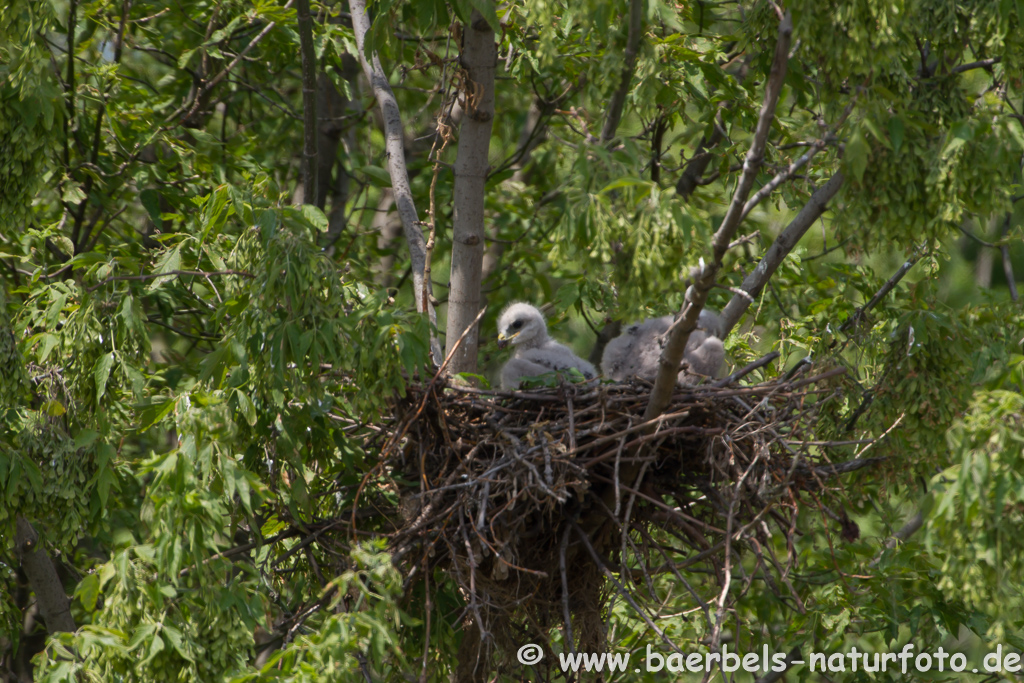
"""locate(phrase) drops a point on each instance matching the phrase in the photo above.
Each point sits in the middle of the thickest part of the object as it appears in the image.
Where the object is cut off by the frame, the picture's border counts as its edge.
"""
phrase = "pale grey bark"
(388, 226)
(479, 55)
(983, 268)
(618, 100)
(42, 575)
(697, 294)
(780, 178)
(911, 527)
(780, 248)
(394, 145)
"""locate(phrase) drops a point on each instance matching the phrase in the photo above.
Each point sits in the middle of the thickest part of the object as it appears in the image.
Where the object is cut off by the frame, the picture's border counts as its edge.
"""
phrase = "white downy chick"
(523, 326)
(636, 351)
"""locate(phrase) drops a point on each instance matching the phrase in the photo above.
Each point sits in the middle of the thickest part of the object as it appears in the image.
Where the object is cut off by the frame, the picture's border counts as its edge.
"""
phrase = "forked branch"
(780, 248)
(697, 294)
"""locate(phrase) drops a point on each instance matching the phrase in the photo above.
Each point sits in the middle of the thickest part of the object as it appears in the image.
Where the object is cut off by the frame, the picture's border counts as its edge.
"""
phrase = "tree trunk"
(479, 55)
(388, 227)
(50, 596)
(310, 185)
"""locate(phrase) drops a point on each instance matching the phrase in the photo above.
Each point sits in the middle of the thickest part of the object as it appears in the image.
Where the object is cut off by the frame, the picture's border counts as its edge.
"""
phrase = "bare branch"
(780, 248)
(697, 294)
(747, 369)
(395, 148)
(223, 74)
(773, 676)
(885, 289)
(983, 64)
(641, 612)
(781, 177)
(911, 527)
(690, 179)
(618, 101)
(968, 233)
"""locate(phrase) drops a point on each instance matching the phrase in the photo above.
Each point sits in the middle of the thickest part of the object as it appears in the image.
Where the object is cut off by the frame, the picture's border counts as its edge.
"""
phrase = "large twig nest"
(516, 492)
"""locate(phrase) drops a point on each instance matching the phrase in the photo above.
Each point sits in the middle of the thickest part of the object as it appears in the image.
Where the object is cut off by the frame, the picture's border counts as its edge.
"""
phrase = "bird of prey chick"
(636, 351)
(522, 326)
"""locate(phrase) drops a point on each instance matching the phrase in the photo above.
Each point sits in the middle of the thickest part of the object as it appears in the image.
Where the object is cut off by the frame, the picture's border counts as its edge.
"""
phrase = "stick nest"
(540, 504)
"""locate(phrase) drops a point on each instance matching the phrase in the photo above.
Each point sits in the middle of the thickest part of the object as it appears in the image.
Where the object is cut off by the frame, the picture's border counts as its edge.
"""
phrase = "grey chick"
(523, 326)
(635, 352)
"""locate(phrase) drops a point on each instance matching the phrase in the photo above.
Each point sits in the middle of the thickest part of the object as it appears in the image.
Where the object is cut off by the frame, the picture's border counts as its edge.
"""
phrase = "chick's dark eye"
(517, 324)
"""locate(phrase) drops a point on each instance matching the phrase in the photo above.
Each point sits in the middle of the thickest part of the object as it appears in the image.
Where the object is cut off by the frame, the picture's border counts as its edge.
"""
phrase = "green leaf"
(896, 132)
(151, 203)
(72, 193)
(155, 648)
(488, 11)
(1016, 132)
(856, 156)
(174, 635)
(378, 176)
(49, 341)
(463, 9)
(567, 295)
(315, 217)
(185, 56)
(85, 438)
(246, 406)
(101, 372)
(53, 311)
(54, 408)
(154, 413)
(474, 379)
(625, 182)
(64, 244)
(169, 262)
(88, 591)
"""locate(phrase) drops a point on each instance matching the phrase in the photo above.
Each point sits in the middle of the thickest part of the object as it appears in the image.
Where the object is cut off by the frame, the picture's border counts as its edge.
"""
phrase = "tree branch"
(394, 145)
(697, 294)
(885, 289)
(618, 100)
(479, 55)
(310, 187)
(780, 248)
(223, 74)
(690, 179)
(781, 177)
(983, 64)
(170, 273)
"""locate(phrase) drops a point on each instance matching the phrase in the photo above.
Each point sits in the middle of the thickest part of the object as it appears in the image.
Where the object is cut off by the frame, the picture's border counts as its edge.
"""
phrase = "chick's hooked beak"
(505, 339)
